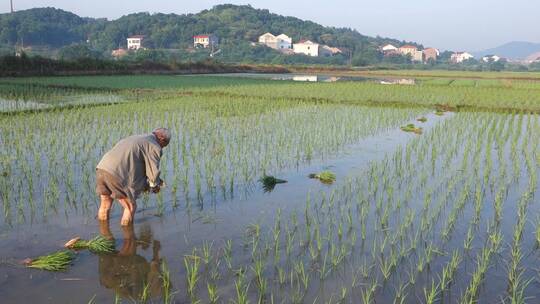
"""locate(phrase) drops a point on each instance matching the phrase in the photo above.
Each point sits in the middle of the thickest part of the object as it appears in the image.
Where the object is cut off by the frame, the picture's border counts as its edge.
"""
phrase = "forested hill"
(235, 25)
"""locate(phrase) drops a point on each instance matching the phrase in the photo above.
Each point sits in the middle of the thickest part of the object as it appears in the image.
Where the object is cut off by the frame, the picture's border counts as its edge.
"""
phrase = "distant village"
(431, 54)
(285, 45)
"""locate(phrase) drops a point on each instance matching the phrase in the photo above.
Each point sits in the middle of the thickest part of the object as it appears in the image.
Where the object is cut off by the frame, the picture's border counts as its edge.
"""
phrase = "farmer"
(129, 168)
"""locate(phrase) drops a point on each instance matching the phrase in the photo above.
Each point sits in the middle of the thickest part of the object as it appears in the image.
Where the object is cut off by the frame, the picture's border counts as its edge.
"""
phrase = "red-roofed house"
(430, 54)
(205, 41)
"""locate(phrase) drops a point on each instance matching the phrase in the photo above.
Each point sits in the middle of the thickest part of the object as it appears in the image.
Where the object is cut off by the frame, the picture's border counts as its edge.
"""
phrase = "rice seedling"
(166, 283)
(422, 119)
(192, 263)
(241, 290)
(326, 177)
(431, 294)
(367, 294)
(213, 296)
(98, 244)
(58, 261)
(411, 128)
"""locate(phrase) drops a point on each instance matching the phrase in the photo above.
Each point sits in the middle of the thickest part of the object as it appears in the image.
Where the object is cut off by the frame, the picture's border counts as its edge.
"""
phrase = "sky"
(460, 25)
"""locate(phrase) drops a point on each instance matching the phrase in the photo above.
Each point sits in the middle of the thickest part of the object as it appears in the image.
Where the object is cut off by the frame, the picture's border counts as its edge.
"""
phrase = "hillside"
(235, 25)
(517, 50)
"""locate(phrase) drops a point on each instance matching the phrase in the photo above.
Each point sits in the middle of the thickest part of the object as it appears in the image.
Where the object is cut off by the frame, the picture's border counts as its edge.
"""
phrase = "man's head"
(163, 136)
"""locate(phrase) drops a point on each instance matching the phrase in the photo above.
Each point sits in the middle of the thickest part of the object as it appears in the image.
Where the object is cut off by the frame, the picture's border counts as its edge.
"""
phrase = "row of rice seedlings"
(463, 93)
(240, 146)
(333, 254)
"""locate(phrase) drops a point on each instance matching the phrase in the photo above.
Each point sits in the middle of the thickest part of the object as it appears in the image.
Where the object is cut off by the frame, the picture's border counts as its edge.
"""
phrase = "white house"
(306, 47)
(135, 42)
(284, 41)
(280, 42)
(389, 48)
(491, 58)
(205, 41)
(459, 57)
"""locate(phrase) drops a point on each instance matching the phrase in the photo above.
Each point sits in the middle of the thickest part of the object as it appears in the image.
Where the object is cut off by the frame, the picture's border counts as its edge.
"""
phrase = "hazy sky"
(457, 24)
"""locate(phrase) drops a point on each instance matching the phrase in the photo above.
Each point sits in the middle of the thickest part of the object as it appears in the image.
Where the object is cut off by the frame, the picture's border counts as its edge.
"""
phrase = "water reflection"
(404, 81)
(127, 273)
(319, 78)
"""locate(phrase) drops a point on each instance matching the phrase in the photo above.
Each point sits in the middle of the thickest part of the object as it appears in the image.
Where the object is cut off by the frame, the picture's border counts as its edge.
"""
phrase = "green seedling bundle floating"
(422, 119)
(439, 112)
(327, 177)
(58, 261)
(98, 244)
(412, 128)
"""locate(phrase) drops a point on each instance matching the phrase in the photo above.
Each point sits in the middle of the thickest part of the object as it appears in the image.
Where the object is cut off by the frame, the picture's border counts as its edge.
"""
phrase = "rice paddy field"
(276, 191)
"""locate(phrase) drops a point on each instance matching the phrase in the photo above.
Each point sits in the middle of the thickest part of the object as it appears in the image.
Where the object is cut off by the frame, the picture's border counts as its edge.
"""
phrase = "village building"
(326, 50)
(205, 41)
(413, 52)
(533, 58)
(430, 54)
(491, 58)
(389, 48)
(280, 42)
(135, 42)
(307, 47)
(119, 53)
(459, 57)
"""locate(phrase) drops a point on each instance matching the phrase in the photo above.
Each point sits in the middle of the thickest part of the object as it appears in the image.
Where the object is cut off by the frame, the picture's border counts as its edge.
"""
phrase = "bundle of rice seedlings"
(412, 128)
(99, 244)
(439, 112)
(326, 176)
(422, 119)
(58, 261)
(269, 182)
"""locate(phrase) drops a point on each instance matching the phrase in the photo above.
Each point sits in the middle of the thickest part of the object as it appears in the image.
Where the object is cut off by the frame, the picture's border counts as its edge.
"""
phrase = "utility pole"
(11, 2)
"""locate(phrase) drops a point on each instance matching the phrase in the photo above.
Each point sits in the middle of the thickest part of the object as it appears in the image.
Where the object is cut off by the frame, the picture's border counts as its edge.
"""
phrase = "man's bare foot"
(127, 218)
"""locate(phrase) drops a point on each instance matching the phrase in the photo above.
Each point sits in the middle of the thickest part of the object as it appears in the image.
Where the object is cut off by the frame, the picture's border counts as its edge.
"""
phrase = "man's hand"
(155, 189)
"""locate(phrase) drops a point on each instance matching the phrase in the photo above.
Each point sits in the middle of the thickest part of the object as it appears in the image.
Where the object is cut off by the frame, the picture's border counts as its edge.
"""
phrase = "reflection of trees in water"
(125, 272)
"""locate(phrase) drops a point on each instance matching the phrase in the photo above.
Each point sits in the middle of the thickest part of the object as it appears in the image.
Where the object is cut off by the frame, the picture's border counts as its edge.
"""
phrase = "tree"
(78, 51)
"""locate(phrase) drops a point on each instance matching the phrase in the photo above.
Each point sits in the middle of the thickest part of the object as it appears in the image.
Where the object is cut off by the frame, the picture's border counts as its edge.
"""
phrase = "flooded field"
(446, 214)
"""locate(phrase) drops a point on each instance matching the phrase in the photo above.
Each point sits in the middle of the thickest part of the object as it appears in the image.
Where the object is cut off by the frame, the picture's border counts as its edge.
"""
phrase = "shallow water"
(177, 231)
(7, 105)
(172, 236)
(318, 78)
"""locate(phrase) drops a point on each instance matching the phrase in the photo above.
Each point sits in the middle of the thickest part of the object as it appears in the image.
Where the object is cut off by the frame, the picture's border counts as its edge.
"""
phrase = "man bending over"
(129, 168)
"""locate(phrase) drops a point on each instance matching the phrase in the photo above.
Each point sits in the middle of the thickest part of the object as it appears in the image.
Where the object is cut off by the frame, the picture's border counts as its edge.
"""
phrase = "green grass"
(138, 81)
(482, 94)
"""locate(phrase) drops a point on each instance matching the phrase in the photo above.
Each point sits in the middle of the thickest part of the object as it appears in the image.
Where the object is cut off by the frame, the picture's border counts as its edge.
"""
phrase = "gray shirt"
(135, 162)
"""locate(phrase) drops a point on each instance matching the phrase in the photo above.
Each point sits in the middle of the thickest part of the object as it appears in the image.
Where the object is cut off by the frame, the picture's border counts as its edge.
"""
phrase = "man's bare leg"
(105, 207)
(129, 211)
